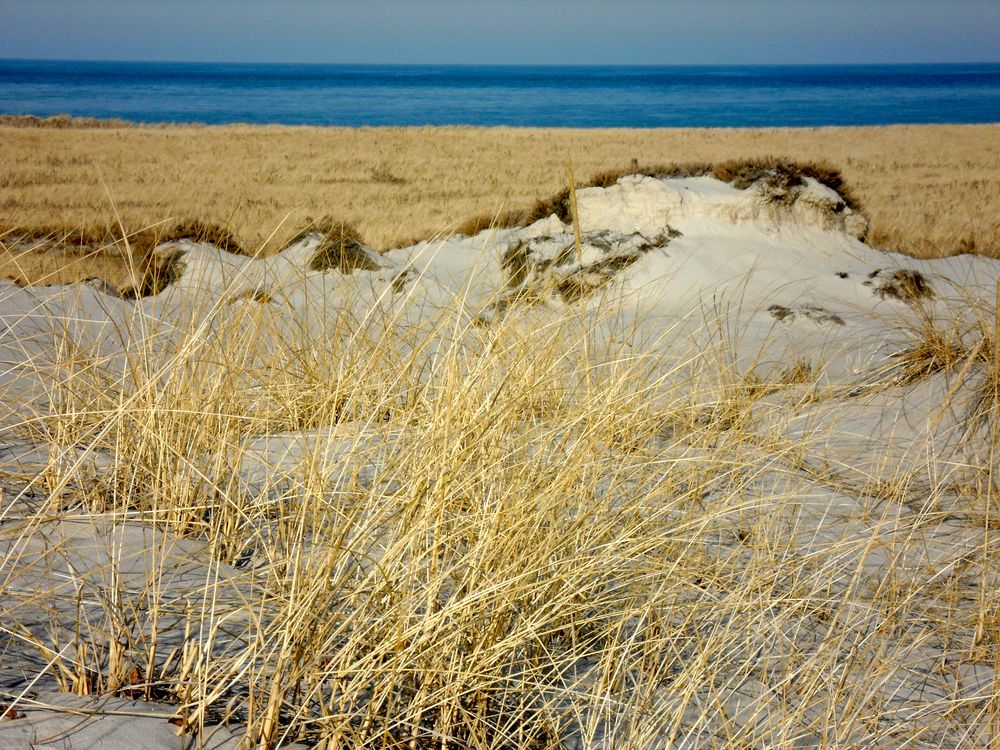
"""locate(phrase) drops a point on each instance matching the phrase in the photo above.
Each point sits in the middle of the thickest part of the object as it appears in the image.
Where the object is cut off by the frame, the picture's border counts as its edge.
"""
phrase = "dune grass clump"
(480, 222)
(200, 231)
(784, 173)
(983, 411)
(659, 171)
(340, 248)
(479, 603)
(926, 346)
(155, 273)
(554, 205)
(963, 347)
(905, 285)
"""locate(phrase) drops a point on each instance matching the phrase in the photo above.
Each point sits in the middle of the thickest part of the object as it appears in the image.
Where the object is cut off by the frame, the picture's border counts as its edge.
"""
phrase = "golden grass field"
(928, 190)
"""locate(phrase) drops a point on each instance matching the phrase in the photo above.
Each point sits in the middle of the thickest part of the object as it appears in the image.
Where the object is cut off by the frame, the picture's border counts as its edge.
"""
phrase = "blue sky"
(505, 31)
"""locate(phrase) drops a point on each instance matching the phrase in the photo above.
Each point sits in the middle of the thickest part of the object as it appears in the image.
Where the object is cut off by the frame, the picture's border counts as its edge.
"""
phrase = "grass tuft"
(200, 231)
(341, 248)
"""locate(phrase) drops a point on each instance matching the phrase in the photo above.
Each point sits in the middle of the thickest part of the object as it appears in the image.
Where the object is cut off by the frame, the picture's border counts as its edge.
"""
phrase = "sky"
(535, 32)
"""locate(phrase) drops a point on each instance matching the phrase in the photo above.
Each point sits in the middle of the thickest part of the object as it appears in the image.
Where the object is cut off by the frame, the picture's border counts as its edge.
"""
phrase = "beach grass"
(929, 191)
(487, 538)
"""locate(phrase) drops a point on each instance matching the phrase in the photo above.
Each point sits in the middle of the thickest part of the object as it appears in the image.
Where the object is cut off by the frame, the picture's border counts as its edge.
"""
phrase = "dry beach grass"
(397, 526)
(502, 570)
(928, 190)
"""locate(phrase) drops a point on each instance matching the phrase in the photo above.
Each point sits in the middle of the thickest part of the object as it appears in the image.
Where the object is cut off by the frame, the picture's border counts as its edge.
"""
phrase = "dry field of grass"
(928, 190)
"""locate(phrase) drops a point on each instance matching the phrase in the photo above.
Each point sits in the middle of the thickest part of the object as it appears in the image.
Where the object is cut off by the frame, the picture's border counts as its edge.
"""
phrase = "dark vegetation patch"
(200, 231)
(17, 280)
(905, 285)
(87, 237)
(111, 238)
(967, 245)
(532, 276)
(742, 173)
(157, 273)
(65, 121)
(517, 261)
(576, 288)
(780, 312)
(400, 280)
(777, 177)
(783, 172)
(476, 224)
(341, 248)
(821, 315)
(659, 171)
(812, 312)
(382, 173)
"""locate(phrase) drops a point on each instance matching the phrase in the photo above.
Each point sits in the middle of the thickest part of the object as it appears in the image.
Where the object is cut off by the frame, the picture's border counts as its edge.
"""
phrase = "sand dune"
(697, 467)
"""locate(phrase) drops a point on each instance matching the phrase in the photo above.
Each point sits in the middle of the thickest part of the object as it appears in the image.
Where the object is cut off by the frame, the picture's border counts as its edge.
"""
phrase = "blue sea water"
(560, 96)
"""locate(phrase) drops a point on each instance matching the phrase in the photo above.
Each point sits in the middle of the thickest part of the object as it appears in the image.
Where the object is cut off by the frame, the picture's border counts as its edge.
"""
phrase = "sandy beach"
(929, 191)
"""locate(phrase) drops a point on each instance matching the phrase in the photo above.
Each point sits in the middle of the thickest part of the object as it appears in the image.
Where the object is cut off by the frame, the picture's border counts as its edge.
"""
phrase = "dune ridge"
(929, 191)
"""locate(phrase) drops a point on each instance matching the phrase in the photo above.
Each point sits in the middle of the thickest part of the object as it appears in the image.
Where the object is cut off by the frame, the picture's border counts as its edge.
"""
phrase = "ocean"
(544, 96)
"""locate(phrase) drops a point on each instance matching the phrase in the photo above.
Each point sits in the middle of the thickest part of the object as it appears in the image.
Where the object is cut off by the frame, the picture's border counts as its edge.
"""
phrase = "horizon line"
(503, 65)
